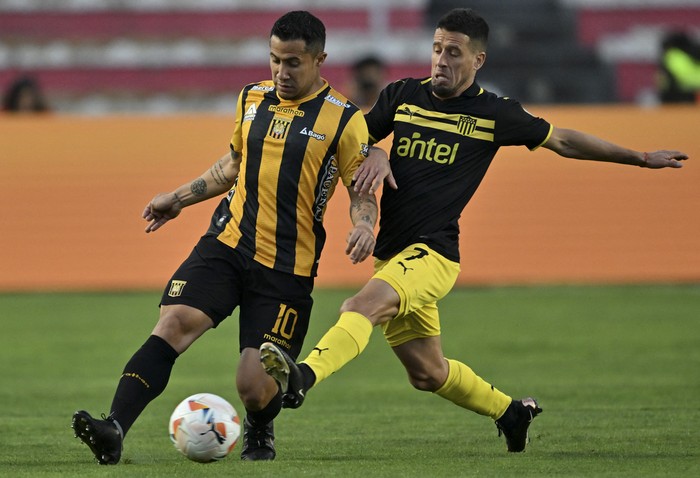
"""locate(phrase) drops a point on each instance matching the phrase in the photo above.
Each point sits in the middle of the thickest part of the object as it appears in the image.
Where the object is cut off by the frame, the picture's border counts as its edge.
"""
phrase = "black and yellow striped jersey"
(440, 153)
(293, 154)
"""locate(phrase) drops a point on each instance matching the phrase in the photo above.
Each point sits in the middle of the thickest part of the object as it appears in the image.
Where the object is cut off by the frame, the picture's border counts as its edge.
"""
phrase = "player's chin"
(442, 88)
(287, 92)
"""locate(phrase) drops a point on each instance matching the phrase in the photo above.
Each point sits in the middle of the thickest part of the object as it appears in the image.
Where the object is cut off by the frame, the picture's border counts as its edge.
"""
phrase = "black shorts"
(274, 306)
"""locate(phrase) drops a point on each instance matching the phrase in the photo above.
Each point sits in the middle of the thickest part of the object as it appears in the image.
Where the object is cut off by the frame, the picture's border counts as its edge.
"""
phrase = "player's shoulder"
(264, 86)
(257, 89)
(404, 88)
(497, 98)
(410, 84)
(498, 102)
(338, 99)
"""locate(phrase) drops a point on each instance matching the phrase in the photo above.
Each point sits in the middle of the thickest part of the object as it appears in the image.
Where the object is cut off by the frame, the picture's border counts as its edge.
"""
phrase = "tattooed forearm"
(217, 172)
(364, 209)
(179, 199)
(199, 187)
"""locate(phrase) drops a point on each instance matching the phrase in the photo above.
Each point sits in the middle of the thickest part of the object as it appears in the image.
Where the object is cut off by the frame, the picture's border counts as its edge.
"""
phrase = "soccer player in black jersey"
(446, 130)
(295, 137)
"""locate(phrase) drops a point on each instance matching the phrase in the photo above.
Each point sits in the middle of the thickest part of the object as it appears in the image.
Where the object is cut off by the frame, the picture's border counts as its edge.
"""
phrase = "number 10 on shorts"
(286, 321)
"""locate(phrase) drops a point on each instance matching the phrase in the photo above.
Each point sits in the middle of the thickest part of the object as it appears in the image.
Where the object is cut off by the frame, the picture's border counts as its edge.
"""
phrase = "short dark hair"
(467, 21)
(301, 25)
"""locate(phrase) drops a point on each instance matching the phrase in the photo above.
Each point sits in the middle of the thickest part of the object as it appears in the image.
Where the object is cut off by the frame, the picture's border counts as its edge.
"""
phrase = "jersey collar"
(472, 91)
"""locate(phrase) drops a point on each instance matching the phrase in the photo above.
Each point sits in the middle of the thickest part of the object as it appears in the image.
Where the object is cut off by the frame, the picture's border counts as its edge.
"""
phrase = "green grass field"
(616, 369)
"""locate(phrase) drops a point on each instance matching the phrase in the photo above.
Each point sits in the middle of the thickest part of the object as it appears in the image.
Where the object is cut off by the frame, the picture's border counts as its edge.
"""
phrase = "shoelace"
(111, 419)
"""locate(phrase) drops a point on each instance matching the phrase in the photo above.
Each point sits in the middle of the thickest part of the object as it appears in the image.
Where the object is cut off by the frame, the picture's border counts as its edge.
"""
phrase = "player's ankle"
(308, 374)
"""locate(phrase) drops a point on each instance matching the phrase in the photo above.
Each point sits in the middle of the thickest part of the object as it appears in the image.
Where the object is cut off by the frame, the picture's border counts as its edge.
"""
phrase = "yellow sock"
(342, 343)
(465, 388)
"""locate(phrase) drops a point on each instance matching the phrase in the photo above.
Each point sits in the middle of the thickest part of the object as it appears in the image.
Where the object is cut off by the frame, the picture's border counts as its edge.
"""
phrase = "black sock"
(309, 376)
(260, 418)
(510, 416)
(144, 378)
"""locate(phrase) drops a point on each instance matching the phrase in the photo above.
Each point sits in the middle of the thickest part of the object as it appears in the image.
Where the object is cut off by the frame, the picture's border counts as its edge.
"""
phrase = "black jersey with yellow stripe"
(293, 154)
(440, 152)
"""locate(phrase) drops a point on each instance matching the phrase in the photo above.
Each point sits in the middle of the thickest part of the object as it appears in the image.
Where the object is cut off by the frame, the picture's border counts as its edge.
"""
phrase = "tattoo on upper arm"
(217, 172)
(199, 187)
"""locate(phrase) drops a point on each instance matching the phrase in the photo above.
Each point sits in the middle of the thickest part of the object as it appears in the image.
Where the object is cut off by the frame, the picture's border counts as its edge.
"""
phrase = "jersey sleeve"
(237, 138)
(380, 119)
(515, 126)
(353, 147)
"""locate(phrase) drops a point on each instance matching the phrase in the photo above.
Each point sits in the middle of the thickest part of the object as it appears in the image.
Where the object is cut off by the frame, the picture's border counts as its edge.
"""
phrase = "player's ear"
(479, 60)
(320, 58)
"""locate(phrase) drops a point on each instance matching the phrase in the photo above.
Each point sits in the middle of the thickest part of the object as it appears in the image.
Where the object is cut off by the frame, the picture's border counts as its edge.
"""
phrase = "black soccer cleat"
(515, 422)
(104, 437)
(258, 443)
(286, 372)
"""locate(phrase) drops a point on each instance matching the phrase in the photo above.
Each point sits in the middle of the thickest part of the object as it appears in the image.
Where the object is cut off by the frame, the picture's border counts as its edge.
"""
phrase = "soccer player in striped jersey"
(295, 137)
(447, 130)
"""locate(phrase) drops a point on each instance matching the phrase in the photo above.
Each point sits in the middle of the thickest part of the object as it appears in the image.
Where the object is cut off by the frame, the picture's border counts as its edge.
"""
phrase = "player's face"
(454, 63)
(295, 72)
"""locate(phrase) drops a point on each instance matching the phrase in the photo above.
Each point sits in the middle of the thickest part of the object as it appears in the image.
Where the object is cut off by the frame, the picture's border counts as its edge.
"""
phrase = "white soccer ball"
(204, 427)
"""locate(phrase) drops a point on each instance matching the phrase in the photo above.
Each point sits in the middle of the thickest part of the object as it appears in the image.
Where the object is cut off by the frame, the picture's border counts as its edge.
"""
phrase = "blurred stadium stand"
(627, 34)
(194, 55)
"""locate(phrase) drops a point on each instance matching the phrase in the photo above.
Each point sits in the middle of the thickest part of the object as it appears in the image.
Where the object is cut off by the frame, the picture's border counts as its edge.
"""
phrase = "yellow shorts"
(421, 277)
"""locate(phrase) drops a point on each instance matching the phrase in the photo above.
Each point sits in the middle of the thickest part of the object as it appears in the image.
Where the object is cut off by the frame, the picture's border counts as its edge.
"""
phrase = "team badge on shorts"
(176, 287)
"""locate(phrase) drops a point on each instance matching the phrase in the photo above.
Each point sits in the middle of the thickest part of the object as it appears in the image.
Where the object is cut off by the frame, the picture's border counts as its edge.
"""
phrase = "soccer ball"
(204, 427)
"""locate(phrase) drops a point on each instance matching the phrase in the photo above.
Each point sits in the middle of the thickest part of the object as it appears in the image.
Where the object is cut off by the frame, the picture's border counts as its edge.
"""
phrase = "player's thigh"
(211, 280)
(276, 307)
(421, 277)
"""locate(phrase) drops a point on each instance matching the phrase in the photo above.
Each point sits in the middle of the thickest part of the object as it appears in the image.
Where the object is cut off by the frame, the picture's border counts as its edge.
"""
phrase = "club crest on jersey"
(466, 125)
(250, 113)
(176, 287)
(279, 128)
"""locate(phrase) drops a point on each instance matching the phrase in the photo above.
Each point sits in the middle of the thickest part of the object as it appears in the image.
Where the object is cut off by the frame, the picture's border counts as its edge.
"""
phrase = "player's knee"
(375, 312)
(180, 327)
(349, 305)
(253, 398)
(424, 381)
(255, 394)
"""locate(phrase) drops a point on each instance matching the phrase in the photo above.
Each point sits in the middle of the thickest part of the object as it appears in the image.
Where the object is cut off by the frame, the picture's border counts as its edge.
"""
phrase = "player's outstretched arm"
(578, 145)
(218, 179)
